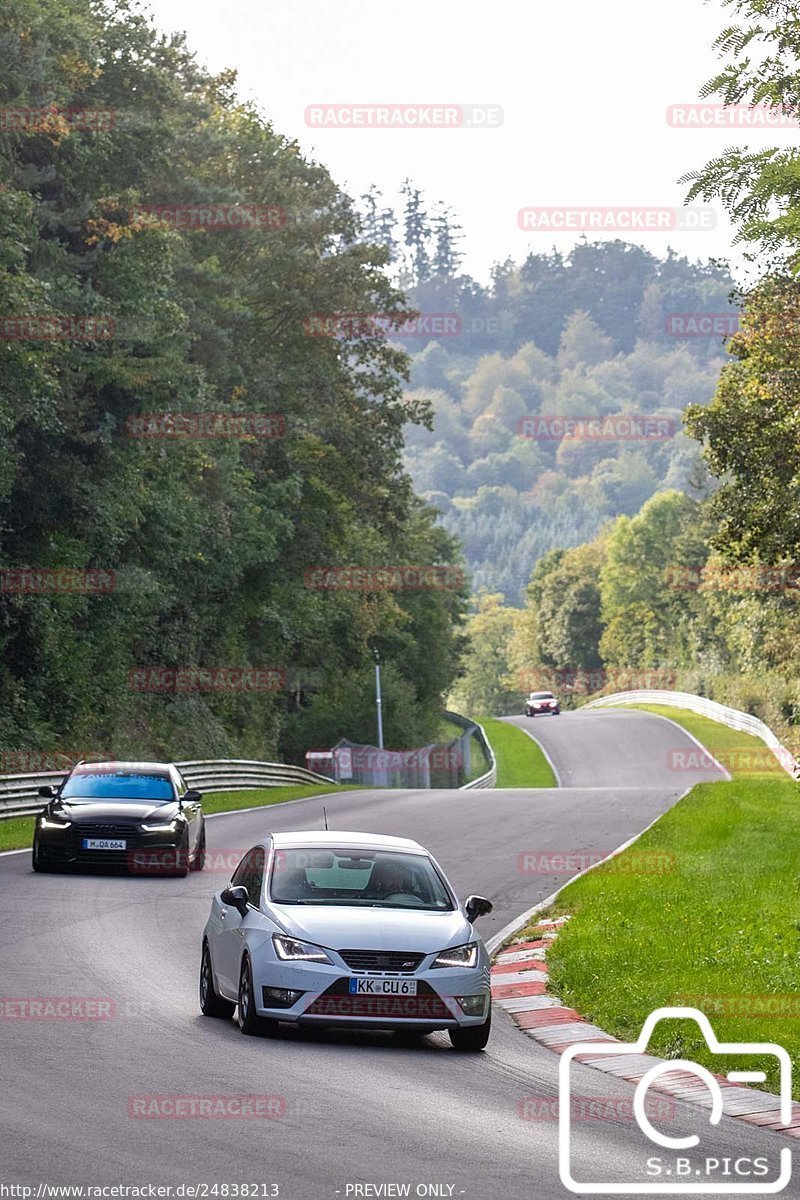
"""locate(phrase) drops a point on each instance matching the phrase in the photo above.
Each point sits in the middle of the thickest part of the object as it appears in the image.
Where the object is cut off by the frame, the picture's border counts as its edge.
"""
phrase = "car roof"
(346, 838)
(163, 770)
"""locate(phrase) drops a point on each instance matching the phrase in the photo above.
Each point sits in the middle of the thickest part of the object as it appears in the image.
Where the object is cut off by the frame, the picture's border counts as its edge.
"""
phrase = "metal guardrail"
(489, 780)
(19, 793)
(731, 717)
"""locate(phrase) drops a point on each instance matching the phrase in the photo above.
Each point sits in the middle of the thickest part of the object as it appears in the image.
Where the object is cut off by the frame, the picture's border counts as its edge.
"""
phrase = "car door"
(227, 951)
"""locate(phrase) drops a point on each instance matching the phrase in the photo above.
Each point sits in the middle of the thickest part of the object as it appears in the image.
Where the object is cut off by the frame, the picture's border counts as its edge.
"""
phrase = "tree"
(484, 689)
(582, 342)
(207, 540)
(750, 430)
(447, 233)
(416, 232)
(758, 188)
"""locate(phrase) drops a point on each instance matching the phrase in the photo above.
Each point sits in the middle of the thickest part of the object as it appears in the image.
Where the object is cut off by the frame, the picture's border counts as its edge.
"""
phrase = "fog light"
(279, 997)
(472, 1006)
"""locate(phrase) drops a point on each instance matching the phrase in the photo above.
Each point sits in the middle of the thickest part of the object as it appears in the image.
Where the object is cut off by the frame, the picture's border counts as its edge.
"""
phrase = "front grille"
(382, 960)
(104, 830)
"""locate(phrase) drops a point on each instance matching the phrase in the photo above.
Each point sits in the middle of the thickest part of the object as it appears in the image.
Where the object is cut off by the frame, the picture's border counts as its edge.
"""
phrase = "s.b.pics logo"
(670, 1160)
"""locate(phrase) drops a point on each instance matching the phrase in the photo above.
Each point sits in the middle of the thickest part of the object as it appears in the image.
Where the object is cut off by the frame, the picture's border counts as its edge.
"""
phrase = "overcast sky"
(584, 88)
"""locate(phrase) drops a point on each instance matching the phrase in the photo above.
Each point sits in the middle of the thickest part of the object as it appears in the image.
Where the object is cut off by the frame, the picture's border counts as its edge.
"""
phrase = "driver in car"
(390, 879)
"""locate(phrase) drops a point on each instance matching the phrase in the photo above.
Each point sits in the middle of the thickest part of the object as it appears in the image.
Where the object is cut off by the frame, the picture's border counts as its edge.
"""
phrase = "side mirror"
(191, 797)
(235, 897)
(477, 906)
(47, 792)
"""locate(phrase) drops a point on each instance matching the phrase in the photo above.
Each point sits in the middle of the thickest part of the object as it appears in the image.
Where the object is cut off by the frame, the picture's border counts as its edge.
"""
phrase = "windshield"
(368, 878)
(119, 785)
(542, 696)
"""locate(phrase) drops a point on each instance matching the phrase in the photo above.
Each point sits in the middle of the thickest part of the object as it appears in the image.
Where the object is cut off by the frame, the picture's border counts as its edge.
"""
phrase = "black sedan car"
(541, 704)
(138, 816)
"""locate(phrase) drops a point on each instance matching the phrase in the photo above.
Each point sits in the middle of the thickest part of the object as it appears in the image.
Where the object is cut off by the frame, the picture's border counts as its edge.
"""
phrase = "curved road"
(361, 1108)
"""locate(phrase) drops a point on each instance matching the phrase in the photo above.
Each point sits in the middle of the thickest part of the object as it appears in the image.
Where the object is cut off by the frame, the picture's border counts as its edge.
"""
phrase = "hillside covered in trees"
(592, 334)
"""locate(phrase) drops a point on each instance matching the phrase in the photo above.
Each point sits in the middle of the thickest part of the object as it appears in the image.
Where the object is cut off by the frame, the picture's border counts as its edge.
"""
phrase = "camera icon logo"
(681, 1168)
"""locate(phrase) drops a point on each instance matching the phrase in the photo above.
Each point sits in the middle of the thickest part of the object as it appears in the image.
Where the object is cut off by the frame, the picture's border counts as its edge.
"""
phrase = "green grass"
(520, 761)
(744, 756)
(701, 911)
(17, 832)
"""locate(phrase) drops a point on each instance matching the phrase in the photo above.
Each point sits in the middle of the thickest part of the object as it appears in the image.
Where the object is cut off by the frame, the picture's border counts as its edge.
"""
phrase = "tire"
(211, 1004)
(473, 1038)
(246, 1016)
(37, 864)
(199, 860)
(182, 860)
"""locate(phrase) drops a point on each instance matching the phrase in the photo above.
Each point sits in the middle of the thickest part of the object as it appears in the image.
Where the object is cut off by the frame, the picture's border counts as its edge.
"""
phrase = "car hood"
(373, 928)
(91, 811)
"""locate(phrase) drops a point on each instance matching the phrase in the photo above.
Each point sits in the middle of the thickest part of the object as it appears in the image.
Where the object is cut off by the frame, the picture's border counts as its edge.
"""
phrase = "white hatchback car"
(346, 929)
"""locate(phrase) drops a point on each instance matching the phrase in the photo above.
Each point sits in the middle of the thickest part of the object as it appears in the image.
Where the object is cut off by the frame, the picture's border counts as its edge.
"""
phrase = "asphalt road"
(360, 1108)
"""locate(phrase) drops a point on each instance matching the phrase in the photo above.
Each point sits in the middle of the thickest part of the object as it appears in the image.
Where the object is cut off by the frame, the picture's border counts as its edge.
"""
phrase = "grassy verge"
(520, 761)
(716, 929)
(17, 832)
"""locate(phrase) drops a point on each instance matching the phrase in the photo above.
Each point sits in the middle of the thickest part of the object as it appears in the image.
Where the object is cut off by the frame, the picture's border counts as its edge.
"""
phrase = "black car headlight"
(169, 827)
(53, 821)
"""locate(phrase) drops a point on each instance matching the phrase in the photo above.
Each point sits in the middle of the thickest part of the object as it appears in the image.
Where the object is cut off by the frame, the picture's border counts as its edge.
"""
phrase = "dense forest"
(596, 333)
(162, 250)
(700, 588)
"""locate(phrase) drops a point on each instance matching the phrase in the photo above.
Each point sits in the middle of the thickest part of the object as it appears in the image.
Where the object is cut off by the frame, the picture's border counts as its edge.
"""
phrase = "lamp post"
(378, 699)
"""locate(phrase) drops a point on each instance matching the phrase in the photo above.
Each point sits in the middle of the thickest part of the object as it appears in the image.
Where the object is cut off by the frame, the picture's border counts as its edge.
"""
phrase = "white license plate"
(105, 844)
(383, 987)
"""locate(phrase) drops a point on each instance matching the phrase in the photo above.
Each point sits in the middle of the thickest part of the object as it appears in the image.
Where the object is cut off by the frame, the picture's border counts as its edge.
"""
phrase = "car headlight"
(458, 956)
(170, 828)
(51, 822)
(293, 950)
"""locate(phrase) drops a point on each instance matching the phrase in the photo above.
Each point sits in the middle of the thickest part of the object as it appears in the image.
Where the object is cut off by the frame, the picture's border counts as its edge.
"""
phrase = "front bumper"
(144, 854)
(326, 998)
